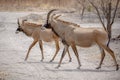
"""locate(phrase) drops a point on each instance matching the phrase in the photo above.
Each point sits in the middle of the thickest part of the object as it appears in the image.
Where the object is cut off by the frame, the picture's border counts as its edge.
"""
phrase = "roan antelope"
(34, 30)
(83, 37)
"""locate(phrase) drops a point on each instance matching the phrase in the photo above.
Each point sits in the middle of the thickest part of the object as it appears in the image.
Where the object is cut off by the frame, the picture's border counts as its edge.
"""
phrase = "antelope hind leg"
(111, 53)
(102, 57)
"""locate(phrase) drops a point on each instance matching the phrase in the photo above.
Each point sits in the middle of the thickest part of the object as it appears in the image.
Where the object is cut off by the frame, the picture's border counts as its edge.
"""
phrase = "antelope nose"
(16, 32)
(42, 28)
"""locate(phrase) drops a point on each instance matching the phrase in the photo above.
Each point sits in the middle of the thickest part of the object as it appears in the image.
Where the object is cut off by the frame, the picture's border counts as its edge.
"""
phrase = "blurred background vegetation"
(38, 5)
(106, 10)
(35, 5)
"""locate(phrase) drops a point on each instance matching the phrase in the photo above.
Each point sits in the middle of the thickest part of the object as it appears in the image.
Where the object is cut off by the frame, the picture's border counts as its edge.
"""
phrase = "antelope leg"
(41, 48)
(33, 43)
(102, 57)
(77, 55)
(70, 59)
(57, 49)
(111, 53)
(63, 54)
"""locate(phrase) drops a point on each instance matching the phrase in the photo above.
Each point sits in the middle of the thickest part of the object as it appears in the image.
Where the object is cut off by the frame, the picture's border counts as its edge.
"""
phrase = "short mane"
(69, 23)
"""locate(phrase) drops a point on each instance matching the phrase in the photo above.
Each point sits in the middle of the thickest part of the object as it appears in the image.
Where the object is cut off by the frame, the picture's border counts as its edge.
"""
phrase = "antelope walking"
(38, 35)
(83, 37)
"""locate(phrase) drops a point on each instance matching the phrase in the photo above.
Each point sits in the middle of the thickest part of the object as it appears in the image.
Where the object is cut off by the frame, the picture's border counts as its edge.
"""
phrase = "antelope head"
(19, 29)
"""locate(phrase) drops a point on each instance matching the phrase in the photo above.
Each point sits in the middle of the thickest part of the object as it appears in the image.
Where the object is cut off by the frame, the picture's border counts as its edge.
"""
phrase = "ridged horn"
(48, 15)
(18, 22)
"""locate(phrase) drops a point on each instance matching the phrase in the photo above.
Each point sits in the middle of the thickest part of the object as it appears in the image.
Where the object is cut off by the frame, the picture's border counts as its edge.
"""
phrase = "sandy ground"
(13, 48)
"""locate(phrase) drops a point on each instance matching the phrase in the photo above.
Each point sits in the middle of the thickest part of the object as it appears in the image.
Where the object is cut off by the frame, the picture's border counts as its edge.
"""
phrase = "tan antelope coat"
(83, 37)
(34, 30)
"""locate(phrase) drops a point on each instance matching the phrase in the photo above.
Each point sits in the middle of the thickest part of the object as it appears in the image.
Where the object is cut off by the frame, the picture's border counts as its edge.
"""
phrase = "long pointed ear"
(56, 17)
(18, 22)
(53, 16)
(24, 21)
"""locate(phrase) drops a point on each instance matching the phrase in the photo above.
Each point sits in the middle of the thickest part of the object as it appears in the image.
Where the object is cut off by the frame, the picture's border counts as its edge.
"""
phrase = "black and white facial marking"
(19, 29)
(47, 25)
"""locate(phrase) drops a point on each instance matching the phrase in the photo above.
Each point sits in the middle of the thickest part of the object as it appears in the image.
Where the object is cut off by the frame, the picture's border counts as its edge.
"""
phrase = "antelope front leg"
(57, 49)
(33, 43)
(41, 48)
(70, 59)
(63, 54)
(77, 55)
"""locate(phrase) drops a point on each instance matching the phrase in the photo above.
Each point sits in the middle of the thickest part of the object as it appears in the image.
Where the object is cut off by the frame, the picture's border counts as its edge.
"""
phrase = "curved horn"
(24, 21)
(18, 22)
(48, 15)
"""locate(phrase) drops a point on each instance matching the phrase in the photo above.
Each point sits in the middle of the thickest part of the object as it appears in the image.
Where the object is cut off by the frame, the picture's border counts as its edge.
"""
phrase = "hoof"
(41, 60)
(70, 60)
(57, 67)
(117, 67)
(78, 67)
(51, 61)
(25, 59)
(98, 67)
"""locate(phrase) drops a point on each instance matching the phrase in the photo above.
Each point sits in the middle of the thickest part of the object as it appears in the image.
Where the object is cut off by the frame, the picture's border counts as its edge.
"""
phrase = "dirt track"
(13, 48)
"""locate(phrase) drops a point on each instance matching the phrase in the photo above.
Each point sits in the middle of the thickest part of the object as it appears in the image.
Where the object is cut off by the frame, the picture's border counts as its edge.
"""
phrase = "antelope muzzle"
(19, 30)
